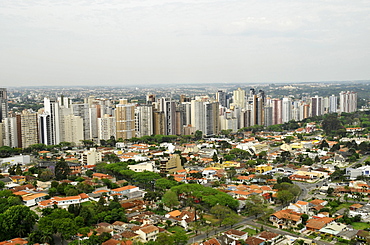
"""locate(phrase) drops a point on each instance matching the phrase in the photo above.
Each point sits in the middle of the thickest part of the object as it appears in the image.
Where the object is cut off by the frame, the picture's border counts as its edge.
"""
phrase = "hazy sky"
(87, 42)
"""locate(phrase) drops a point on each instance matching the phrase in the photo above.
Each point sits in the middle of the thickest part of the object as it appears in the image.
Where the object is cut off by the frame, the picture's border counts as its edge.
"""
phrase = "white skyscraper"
(348, 101)
(10, 134)
(333, 104)
(82, 110)
(205, 116)
(286, 114)
(73, 129)
(49, 123)
(106, 127)
(239, 98)
(144, 120)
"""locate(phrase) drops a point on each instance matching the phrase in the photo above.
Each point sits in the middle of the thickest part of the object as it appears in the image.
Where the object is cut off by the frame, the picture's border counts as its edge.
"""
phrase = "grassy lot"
(343, 205)
(360, 225)
(211, 218)
(174, 229)
(86, 203)
(251, 232)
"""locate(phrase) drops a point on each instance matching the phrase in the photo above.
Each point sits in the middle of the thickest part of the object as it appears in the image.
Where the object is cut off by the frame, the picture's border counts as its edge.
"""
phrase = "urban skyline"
(61, 119)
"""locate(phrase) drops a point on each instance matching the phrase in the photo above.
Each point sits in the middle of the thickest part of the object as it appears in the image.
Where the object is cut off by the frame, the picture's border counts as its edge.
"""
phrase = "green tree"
(331, 124)
(62, 169)
(180, 238)
(66, 227)
(112, 158)
(164, 184)
(198, 135)
(285, 196)
(170, 199)
(17, 221)
(164, 238)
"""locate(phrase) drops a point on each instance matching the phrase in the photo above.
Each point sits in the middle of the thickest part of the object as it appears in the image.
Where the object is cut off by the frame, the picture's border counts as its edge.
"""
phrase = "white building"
(144, 120)
(106, 127)
(91, 157)
(73, 129)
(347, 101)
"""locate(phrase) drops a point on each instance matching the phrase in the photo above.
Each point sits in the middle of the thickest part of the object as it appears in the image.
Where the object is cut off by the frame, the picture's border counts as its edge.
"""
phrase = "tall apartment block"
(3, 103)
(348, 101)
(125, 120)
(49, 121)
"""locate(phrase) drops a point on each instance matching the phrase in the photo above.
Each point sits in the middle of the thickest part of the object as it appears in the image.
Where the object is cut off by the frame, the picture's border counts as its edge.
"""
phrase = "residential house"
(317, 224)
(236, 234)
(183, 217)
(254, 241)
(299, 207)
(32, 199)
(148, 233)
(144, 166)
(128, 192)
(212, 241)
(17, 179)
(333, 228)
(286, 218)
(63, 202)
(363, 236)
(358, 209)
(103, 176)
(268, 236)
(263, 168)
(129, 235)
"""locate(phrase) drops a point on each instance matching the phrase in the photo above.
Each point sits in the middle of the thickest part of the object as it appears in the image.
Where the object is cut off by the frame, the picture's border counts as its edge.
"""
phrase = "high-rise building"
(221, 98)
(239, 98)
(3, 103)
(64, 101)
(10, 132)
(276, 111)
(257, 101)
(348, 101)
(29, 128)
(317, 106)
(205, 116)
(268, 116)
(94, 111)
(125, 120)
(82, 110)
(168, 106)
(49, 123)
(63, 112)
(150, 98)
(333, 104)
(306, 111)
(159, 126)
(186, 115)
(73, 129)
(144, 120)
(184, 98)
(106, 127)
(286, 113)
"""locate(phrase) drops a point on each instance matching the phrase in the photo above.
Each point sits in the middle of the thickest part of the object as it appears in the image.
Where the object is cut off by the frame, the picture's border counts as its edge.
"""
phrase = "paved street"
(249, 221)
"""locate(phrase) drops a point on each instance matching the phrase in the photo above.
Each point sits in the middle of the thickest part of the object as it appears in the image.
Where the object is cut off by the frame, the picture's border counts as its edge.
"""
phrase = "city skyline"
(163, 42)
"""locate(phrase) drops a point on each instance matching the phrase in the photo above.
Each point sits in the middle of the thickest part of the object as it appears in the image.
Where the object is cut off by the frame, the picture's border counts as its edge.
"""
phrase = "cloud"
(192, 38)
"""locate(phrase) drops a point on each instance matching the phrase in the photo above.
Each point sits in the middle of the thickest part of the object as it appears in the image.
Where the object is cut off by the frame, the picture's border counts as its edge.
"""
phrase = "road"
(249, 221)
(306, 187)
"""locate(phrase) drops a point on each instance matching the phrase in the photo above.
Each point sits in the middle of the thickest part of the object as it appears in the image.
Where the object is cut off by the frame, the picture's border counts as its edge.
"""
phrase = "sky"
(126, 42)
